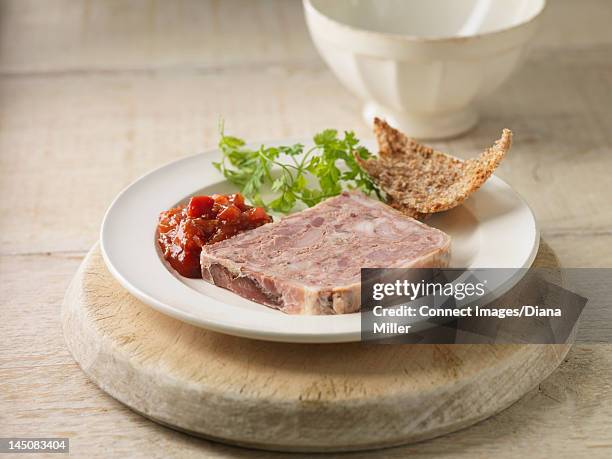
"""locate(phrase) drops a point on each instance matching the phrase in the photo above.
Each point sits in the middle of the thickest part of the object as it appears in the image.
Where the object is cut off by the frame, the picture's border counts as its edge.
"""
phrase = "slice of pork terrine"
(310, 262)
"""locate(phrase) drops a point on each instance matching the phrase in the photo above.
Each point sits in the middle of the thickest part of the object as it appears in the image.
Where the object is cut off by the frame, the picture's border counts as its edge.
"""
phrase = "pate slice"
(419, 180)
(310, 262)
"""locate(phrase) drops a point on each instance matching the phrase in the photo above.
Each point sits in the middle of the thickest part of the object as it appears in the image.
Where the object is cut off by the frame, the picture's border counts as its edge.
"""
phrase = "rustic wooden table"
(94, 94)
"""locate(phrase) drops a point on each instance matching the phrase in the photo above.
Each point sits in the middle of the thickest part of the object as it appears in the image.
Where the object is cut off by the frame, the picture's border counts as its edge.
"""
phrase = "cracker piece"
(419, 180)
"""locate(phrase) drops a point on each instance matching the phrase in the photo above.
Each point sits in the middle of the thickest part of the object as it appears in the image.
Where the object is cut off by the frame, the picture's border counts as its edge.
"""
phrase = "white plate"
(494, 229)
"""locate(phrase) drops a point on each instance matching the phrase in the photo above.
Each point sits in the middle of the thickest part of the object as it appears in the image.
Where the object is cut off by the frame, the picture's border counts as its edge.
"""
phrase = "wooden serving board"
(293, 397)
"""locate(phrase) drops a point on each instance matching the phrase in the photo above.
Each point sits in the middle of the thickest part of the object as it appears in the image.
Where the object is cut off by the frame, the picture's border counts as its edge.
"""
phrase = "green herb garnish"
(330, 163)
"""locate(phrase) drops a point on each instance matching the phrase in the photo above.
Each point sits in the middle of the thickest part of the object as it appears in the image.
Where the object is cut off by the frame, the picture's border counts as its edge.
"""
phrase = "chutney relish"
(183, 230)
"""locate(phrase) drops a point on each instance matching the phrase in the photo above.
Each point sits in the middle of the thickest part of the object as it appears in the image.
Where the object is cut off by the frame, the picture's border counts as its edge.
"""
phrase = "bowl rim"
(309, 7)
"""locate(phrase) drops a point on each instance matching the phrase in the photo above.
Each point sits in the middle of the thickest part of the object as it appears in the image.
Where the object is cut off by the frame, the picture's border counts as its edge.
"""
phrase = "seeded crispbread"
(419, 180)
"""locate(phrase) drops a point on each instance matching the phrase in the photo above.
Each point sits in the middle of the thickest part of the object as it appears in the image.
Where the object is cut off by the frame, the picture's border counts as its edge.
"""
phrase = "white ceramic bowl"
(421, 64)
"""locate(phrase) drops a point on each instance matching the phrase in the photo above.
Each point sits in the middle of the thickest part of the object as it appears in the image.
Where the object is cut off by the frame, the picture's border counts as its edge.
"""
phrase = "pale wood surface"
(93, 94)
(289, 397)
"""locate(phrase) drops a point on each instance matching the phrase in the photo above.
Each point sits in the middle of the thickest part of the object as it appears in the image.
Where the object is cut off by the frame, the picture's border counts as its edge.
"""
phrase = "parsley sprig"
(330, 163)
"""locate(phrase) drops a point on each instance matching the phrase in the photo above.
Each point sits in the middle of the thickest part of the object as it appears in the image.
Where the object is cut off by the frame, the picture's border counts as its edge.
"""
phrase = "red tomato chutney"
(183, 230)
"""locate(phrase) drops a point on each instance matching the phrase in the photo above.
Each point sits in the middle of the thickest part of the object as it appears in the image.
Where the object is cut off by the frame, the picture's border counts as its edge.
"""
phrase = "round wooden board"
(292, 397)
